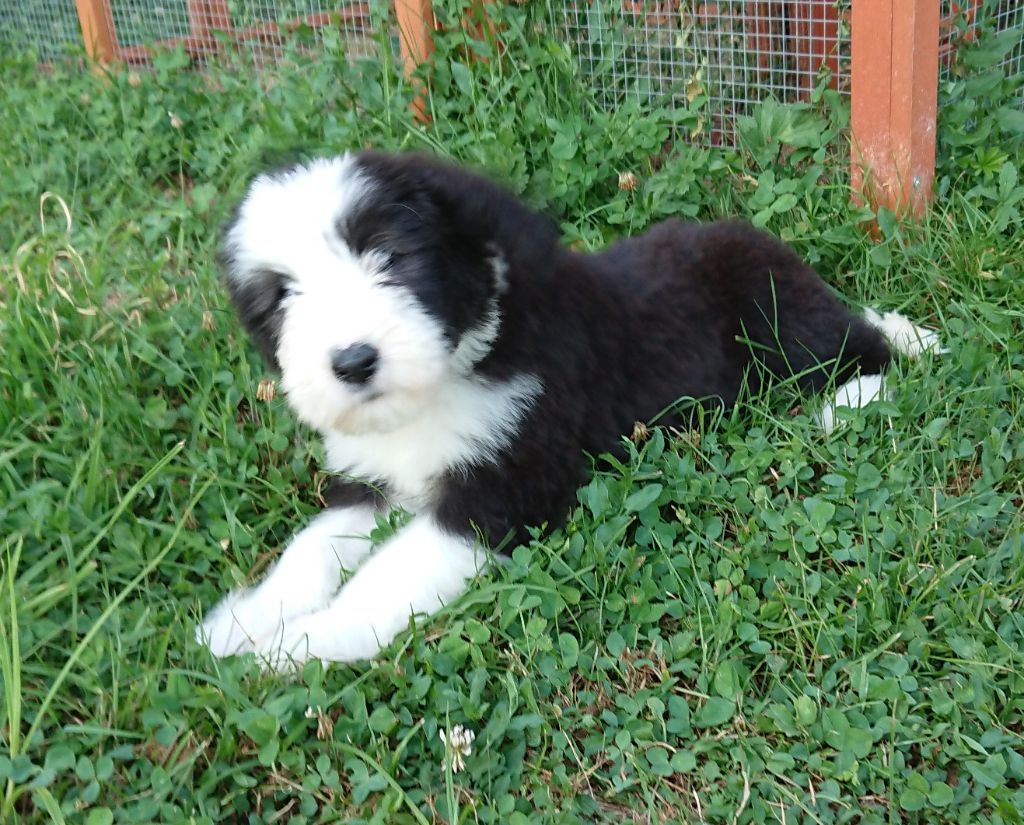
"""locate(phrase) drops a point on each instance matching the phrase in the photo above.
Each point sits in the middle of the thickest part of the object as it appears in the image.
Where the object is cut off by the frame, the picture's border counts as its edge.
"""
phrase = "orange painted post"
(97, 29)
(895, 65)
(816, 36)
(416, 38)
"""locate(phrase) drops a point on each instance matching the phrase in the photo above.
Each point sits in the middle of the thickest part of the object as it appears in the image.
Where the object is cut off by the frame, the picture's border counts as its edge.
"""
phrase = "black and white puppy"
(460, 362)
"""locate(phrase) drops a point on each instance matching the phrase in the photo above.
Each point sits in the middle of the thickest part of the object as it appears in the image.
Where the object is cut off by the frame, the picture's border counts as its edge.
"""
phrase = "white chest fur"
(466, 424)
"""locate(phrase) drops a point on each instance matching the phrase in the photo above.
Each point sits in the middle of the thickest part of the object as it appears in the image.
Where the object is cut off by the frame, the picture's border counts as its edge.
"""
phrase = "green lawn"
(747, 622)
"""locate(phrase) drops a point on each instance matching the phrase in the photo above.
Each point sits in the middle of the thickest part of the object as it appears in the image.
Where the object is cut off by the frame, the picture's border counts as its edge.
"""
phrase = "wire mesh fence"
(733, 52)
(48, 27)
(739, 52)
(1005, 18)
(258, 27)
(1010, 17)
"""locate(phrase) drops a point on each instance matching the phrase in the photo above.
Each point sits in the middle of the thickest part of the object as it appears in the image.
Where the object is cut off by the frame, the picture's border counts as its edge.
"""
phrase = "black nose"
(355, 364)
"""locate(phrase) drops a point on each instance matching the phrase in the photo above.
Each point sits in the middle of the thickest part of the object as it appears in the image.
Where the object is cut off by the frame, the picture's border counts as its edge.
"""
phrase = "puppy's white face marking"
(326, 316)
(330, 299)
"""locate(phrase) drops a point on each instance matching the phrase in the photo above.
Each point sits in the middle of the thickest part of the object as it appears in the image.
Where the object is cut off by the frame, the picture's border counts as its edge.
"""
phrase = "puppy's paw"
(288, 646)
(236, 624)
(321, 635)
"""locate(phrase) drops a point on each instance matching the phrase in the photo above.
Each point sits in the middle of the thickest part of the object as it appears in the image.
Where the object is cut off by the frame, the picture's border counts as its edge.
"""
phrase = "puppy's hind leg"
(906, 338)
(858, 392)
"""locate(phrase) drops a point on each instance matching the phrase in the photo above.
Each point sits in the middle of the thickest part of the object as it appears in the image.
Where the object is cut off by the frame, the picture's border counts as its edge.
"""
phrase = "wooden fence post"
(416, 38)
(95, 19)
(895, 67)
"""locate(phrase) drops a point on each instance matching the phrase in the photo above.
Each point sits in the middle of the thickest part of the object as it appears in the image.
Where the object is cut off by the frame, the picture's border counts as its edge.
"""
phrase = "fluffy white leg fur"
(855, 393)
(304, 579)
(417, 571)
(906, 338)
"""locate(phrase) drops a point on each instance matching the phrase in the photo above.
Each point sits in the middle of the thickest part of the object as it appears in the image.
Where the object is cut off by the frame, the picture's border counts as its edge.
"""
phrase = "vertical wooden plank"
(895, 91)
(915, 100)
(415, 34)
(759, 33)
(816, 36)
(218, 14)
(204, 18)
(871, 73)
(97, 29)
(198, 22)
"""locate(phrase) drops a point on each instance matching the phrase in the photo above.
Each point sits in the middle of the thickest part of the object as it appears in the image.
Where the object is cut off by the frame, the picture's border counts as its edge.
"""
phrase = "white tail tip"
(904, 336)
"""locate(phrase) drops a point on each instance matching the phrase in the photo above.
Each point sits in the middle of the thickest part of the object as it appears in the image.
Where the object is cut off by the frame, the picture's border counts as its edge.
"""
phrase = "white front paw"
(288, 647)
(237, 624)
(322, 635)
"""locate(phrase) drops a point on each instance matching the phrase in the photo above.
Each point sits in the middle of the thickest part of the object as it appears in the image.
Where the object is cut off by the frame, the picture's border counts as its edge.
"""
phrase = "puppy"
(460, 364)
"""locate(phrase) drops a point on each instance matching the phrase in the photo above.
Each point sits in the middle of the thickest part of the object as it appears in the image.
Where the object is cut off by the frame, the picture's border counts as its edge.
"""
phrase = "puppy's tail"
(903, 335)
(906, 338)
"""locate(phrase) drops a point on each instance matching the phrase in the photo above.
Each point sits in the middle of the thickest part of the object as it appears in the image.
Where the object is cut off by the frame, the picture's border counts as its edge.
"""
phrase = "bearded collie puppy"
(461, 364)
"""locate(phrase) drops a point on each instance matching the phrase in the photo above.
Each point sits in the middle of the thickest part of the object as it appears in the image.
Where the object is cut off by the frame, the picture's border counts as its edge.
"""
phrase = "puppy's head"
(367, 282)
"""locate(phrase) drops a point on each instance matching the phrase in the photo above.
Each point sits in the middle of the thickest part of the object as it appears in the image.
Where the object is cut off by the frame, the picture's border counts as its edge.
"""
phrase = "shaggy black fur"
(683, 311)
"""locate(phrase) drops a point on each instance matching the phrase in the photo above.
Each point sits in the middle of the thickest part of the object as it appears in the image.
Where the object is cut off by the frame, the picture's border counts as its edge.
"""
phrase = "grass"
(745, 622)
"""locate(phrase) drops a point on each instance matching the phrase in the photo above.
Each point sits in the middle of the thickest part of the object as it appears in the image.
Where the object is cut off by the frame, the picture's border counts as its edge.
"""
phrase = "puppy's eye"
(381, 258)
(284, 287)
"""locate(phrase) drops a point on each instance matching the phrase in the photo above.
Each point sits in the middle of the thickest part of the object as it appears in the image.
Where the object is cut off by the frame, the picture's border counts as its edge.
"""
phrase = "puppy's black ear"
(485, 216)
(257, 299)
(471, 259)
(426, 220)
(255, 294)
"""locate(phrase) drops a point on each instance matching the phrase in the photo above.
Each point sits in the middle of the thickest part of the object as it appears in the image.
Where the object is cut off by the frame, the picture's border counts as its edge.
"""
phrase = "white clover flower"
(458, 744)
(324, 723)
(266, 390)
